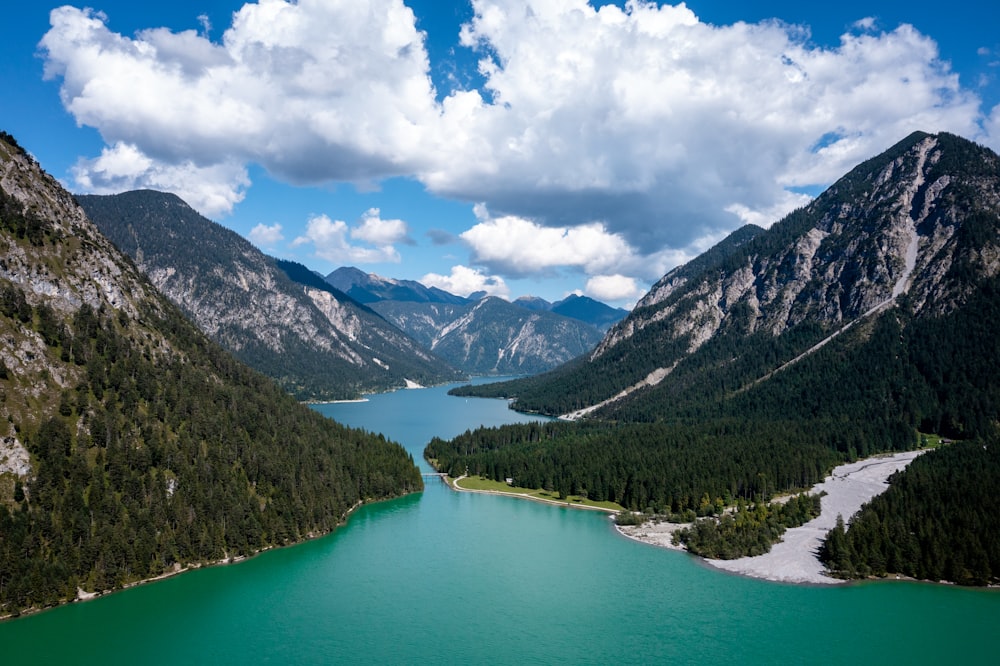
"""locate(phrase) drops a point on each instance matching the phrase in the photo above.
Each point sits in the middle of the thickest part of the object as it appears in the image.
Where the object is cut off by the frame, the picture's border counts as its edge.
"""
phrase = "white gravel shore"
(794, 560)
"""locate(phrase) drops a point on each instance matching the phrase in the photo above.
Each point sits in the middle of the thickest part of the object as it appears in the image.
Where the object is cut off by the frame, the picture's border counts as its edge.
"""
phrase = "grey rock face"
(863, 245)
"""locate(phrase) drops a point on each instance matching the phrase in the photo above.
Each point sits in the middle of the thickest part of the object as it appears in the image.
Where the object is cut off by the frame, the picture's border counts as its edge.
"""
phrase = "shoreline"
(793, 559)
(453, 484)
(177, 569)
(335, 402)
(654, 534)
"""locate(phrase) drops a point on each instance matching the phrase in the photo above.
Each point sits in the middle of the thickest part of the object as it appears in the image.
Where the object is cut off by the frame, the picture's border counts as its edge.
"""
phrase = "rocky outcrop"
(65, 264)
(896, 239)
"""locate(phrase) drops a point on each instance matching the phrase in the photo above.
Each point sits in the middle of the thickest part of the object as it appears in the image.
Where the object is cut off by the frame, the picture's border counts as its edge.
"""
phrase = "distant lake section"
(444, 577)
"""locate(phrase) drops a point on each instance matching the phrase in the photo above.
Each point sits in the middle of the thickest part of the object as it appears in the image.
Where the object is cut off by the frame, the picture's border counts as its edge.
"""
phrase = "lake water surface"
(445, 577)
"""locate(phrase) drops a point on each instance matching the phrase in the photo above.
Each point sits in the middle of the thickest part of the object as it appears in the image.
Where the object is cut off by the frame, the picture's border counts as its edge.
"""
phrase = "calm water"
(446, 577)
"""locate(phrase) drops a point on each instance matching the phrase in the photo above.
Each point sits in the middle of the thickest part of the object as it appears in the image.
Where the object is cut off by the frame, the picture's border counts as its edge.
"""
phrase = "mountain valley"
(483, 335)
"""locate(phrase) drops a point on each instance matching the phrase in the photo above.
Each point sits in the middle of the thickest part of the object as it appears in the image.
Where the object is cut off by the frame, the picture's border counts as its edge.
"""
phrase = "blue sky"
(536, 147)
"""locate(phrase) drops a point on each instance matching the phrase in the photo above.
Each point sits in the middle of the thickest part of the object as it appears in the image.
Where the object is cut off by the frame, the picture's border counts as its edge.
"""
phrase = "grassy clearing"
(480, 483)
(930, 440)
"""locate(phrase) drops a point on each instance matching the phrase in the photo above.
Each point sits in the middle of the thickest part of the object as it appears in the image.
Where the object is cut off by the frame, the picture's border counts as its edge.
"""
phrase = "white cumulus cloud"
(373, 229)
(612, 288)
(464, 281)
(518, 246)
(266, 236)
(314, 91)
(641, 129)
(765, 217)
(212, 189)
(660, 125)
(331, 241)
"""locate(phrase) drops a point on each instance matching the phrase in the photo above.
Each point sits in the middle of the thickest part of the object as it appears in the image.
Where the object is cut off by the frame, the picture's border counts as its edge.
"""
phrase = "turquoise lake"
(445, 577)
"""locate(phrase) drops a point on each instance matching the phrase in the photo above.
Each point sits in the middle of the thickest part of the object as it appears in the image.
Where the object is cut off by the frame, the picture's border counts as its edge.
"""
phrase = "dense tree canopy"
(665, 468)
(711, 429)
(937, 521)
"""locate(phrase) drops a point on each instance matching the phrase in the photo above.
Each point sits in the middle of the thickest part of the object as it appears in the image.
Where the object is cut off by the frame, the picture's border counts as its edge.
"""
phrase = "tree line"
(937, 521)
(749, 530)
(656, 468)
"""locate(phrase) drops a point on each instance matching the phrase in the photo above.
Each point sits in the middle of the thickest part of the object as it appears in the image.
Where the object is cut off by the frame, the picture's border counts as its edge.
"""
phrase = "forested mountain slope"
(315, 341)
(131, 444)
(911, 233)
(840, 332)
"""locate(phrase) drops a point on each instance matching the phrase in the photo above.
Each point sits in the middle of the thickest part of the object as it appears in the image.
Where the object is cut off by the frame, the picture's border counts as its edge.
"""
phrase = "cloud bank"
(605, 140)
(266, 236)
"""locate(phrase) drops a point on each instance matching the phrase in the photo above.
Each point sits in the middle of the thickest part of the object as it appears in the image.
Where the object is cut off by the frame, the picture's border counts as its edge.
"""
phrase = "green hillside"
(145, 447)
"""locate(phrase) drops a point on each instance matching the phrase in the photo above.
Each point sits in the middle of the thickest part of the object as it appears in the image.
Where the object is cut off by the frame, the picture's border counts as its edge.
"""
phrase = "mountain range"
(908, 233)
(481, 335)
(317, 342)
(370, 288)
(491, 336)
(867, 321)
(336, 338)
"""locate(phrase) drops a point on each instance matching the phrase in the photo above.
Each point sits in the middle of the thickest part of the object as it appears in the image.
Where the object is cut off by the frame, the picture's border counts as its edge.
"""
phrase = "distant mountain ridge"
(482, 334)
(491, 336)
(370, 288)
(533, 303)
(584, 308)
(318, 344)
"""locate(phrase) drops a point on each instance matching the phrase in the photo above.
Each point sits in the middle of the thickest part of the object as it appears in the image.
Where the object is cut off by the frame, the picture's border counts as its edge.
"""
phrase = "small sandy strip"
(794, 560)
(652, 379)
(454, 485)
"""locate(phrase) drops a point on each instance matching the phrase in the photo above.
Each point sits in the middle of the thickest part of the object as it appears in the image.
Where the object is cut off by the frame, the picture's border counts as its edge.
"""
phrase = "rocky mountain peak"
(889, 229)
(907, 238)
